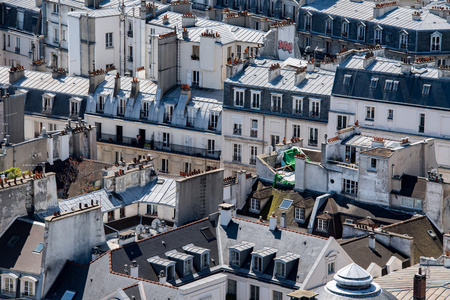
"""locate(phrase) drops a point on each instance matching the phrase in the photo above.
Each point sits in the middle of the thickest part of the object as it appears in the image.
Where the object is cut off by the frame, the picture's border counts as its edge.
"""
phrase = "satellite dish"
(156, 223)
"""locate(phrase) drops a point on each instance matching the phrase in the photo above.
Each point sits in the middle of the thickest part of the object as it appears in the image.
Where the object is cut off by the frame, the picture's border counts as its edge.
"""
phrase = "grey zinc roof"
(285, 241)
(74, 86)
(288, 257)
(160, 261)
(27, 4)
(365, 142)
(191, 248)
(399, 17)
(320, 82)
(178, 255)
(153, 193)
(228, 33)
(387, 66)
(266, 251)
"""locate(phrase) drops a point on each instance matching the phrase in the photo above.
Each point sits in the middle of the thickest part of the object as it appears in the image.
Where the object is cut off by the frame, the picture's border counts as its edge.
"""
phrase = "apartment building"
(272, 102)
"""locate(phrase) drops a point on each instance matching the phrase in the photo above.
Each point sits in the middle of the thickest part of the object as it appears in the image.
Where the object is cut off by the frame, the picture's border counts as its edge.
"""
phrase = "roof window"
(388, 85)
(286, 204)
(426, 89)
(395, 85)
(238, 253)
(373, 83)
(38, 248)
(261, 258)
(347, 79)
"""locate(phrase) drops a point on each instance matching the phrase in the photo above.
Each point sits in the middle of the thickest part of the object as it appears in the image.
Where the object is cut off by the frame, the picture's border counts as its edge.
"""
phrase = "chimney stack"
(134, 88)
(300, 75)
(185, 34)
(372, 241)
(95, 78)
(134, 269)
(15, 73)
(187, 20)
(116, 84)
(273, 222)
(226, 211)
(283, 220)
(420, 286)
(274, 71)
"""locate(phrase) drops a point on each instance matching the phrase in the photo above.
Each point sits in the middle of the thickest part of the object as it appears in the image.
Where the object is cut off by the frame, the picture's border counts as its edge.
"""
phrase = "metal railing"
(17, 50)
(160, 146)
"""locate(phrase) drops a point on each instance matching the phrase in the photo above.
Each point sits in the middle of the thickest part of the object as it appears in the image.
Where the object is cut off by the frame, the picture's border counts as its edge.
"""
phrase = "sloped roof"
(413, 186)
(423, 243)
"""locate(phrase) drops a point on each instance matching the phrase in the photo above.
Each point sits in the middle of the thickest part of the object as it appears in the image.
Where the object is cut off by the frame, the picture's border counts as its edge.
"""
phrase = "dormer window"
(374, 83)
(256, 99)
(257, 264)
(388, 85)
(436, 40)
(347, 79)
(145, 108)
(27, 286)
(314, 107)
(261, 258)
(101, 103)
(378, 34)
(280, 269)
(234, 258)
(297, 105)
(121, 107)
(201, 256)
(239, 97)
(75, 106)
(213, 120)
(204, 261)
(344, 28)
(187, 267)
(361, 32)
(308, 21)
(169, 114)
(255, 205)
(403, 40)
(47, 103)
(9, 283)
(165, 265)
(329, 25)
(426, 89)
(299, 214)
(276, 102)
(192, 111)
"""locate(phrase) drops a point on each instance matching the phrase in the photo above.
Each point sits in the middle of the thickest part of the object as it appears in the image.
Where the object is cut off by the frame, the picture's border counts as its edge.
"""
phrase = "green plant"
(12, 173)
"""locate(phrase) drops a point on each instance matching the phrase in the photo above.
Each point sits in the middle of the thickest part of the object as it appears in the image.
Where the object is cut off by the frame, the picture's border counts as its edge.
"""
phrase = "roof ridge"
(281, 228)
(162, 233)
(403, 222)
(129, 287)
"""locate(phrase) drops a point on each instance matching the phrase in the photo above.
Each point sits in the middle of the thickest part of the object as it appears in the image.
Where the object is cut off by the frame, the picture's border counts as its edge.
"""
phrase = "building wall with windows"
(335, 28)
(260, 113)
(397, 106)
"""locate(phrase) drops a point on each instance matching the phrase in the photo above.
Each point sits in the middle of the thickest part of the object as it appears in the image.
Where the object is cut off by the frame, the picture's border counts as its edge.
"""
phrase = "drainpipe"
(263, 133)
(59, 35)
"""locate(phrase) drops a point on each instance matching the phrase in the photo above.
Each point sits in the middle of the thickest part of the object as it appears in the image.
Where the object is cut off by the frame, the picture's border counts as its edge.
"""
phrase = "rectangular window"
(331, 268)
(344, 32)
(145, 108)
(121, 107)
(254, 292)
(422, 123)
(412, 203)
(373, 83)
(74, 105)
(187, 267)
(256, 100)
(370, 113)
(237, 129)
(299, 213)
(341, 122)
(8, 285)
(169, 114)
(101, 103)
(234, 258)
(204, 261)
(254, 129)
(237, 152)
(255, 205)
(257, 263)
(63, 35)
(426, 89)
(238, 51)
(388, 85)
(276, 103)
(109, 40)
(277, 295)
(232, 286)
(395, 85)
(321, 225)
(280, 269)
(297, 106)
(55, 35)
(378, 36)
(122, 212)
(211, 146)
(313, 133)
(152, 209)
(213, 119)
(164, 165)
(347, 79)
(166, 139)
(253, 154)
(274, 140)
(187, 167)
(20, 20)
(307, 22)
(55, 8)
(110, 215)
(390, 114)
(17, 44)
(328, 26)
(314, 108)
(373, 164)
(47, 105)
(195, 52)
(350, 187)
(239, 97)
(196, 78)
(295, 131)
(28, 288)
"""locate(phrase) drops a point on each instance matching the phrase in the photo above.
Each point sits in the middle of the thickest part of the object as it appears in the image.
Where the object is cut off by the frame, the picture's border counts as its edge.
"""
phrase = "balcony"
(237, 131)
(160, 146)
(195, 57)
(328, 31)
(17, 49)
(312, 142)
(297, 112)
(130, 33)
(253, 160)
(308, 27)
(361, 38)
(403, 46)
(314, 114)
(144, 114)
(254, 133)
(236, 158)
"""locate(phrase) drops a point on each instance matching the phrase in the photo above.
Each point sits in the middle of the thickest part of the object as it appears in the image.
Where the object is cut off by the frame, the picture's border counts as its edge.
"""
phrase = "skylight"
(68, 295)
(286, 204)
(39, 248)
